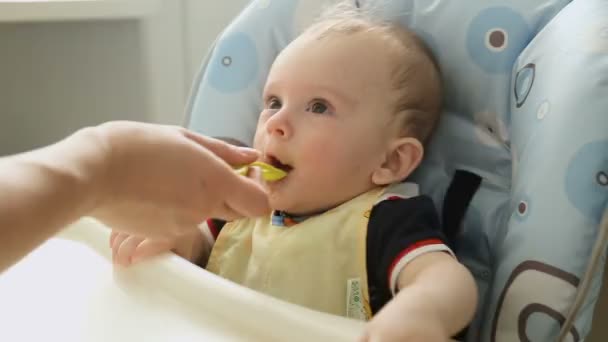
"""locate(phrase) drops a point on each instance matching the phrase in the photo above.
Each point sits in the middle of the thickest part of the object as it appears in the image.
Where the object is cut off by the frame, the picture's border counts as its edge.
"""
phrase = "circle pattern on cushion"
(587, 180)
(235, 65)
(495, 38)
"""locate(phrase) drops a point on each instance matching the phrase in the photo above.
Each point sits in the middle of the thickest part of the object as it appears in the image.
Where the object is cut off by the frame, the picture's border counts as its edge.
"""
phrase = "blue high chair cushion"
(526, 112)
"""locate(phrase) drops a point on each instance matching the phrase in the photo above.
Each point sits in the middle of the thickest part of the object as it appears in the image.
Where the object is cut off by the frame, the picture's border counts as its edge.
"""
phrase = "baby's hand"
(417, 326)
(410, 329)
(128, 249)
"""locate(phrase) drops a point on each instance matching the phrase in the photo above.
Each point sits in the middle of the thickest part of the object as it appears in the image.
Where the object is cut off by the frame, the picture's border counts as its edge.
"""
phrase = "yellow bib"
(319, 263)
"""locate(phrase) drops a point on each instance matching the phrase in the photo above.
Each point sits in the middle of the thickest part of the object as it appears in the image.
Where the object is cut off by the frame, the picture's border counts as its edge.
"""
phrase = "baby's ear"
(402, 157)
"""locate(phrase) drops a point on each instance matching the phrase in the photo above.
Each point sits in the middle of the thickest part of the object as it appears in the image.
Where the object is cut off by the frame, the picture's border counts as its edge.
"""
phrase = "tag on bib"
(354, 300)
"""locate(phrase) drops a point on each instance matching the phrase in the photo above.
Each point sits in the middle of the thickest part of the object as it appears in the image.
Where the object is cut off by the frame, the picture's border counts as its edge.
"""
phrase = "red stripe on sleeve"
(212, 228)
(408, 250)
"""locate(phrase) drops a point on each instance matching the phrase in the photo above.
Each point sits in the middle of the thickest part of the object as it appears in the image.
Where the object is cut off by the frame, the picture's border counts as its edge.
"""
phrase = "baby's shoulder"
(399, 191)
(402, 202)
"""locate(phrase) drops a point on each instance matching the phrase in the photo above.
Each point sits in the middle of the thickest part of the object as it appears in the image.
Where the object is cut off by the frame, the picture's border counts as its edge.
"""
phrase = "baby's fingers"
(115, 242)
(113, 236)
(149, 248)
(127, 249)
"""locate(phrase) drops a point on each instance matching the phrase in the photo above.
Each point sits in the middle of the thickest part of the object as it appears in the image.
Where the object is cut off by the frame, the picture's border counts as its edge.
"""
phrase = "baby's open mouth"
(274, 161)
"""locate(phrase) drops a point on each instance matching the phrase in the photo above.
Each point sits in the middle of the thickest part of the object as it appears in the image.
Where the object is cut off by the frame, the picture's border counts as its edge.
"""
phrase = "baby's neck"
(319, 211)
(305, 215)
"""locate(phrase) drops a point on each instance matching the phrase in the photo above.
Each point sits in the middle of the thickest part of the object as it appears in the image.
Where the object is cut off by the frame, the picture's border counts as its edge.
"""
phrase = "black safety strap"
(463, 187)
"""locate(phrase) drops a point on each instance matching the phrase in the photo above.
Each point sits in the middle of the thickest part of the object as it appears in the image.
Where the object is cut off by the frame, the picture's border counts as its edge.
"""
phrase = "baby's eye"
(274, 103)
(318, 107)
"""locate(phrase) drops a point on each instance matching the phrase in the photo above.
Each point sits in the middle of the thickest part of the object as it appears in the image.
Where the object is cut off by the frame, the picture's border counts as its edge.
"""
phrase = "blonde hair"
(416, 73)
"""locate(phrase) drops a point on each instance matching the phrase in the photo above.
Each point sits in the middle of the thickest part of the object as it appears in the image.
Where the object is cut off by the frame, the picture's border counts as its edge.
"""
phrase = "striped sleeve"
(410, 253)
(399, 230)
(211, 229)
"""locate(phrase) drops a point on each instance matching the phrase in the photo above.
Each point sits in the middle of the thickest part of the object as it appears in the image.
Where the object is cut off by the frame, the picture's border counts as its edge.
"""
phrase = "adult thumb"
(246, 196)
(231, 154)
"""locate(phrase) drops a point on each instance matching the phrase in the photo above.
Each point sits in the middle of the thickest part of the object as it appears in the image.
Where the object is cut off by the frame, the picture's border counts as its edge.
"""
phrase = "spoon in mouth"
(269, 172)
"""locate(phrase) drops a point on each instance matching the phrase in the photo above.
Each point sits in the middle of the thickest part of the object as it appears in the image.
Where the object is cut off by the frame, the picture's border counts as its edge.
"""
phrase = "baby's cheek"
(320, 155)
(334, 151)
(330, 162)
(258, 140)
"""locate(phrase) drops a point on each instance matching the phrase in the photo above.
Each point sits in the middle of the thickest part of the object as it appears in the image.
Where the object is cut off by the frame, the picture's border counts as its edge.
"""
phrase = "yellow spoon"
(269, 172)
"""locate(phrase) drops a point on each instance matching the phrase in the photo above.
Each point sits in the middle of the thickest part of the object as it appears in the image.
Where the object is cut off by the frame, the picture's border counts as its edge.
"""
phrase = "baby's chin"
(282, 203)
(294, 206)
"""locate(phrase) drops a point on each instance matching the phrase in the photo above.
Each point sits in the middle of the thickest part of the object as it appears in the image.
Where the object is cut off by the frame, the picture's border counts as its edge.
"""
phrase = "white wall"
(56, 77)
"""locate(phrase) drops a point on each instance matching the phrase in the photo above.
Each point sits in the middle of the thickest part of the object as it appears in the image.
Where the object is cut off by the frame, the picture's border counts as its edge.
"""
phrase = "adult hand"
(164, 180)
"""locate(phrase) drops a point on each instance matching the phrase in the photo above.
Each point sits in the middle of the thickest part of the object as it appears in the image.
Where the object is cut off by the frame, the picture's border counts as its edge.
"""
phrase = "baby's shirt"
(401, 225)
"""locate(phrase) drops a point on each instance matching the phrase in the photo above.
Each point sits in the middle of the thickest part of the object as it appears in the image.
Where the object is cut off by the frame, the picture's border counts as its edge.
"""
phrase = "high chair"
(518, 166)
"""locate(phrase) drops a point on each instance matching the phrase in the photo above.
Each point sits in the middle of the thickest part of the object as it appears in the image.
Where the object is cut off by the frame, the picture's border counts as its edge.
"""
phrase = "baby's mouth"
(274, 161)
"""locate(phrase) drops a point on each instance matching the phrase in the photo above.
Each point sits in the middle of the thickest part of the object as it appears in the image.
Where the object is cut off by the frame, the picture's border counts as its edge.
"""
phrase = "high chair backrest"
(521, 151)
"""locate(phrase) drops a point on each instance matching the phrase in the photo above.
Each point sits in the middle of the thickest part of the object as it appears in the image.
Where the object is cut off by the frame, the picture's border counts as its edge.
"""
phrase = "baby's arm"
(437, 298)
(444, 286)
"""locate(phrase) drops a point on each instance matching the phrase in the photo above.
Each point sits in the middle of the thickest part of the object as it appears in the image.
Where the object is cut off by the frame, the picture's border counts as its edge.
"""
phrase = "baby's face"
(328, 106)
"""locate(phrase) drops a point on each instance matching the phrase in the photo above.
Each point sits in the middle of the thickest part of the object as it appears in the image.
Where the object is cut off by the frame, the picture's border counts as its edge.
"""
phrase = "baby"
(347, 107)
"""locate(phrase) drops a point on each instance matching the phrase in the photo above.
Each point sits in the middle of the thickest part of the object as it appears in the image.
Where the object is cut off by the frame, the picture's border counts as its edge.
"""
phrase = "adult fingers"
(255, 174)
(227, 213)
(231, 154)
(245, 196)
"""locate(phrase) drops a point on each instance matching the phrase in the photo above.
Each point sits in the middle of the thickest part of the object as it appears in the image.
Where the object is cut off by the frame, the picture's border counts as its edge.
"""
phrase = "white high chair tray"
(68, 290)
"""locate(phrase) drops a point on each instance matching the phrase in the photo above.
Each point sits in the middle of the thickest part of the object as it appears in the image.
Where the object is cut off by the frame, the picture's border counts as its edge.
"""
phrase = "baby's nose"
(279, 126)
